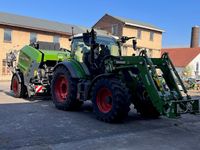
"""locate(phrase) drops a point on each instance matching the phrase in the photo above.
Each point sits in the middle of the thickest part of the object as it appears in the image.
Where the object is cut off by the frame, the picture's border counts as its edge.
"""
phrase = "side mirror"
(89, 38)
(124, 39)
(134, 43)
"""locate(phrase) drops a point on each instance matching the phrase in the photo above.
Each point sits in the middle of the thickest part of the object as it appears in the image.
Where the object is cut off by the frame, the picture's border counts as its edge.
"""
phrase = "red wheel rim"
(15, 87)
(61, 88)
(104, 100)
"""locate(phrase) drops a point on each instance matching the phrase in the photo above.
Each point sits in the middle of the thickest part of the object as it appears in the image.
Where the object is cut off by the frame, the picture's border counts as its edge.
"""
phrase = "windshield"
(110, 43)
(78, 46)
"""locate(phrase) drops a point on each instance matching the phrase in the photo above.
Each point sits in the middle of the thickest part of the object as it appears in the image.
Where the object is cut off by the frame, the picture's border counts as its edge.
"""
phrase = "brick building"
(149, 36)
(17, 31)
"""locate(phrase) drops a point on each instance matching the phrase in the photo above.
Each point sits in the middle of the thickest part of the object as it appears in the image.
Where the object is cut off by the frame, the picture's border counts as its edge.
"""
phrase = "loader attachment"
(159, 80)
(174, 102)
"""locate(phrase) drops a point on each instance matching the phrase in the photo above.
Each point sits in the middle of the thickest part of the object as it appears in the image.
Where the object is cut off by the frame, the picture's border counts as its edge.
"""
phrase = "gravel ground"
(38, 125)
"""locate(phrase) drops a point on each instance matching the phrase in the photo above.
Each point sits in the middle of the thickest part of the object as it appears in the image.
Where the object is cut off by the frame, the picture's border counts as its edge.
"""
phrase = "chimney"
(195, 37)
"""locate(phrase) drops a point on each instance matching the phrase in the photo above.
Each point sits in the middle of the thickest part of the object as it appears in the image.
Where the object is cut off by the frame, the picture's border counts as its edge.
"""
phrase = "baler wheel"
(111, 100)
(18, 87)
(64, 90)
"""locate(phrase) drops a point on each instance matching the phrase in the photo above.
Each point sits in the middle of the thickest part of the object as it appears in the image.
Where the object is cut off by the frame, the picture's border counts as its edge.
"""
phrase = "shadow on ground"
(38, 122)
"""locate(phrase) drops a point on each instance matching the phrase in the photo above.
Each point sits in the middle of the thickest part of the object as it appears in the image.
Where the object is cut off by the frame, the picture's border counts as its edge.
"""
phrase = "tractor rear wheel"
(64, 90)
(143, 103)
(18, 88)
(111, 100)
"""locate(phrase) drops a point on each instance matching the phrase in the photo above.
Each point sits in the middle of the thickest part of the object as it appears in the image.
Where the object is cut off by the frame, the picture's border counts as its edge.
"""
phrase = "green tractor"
(97, 71)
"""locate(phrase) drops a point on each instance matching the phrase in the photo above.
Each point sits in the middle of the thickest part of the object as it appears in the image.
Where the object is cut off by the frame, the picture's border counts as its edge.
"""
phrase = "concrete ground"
(37, 124)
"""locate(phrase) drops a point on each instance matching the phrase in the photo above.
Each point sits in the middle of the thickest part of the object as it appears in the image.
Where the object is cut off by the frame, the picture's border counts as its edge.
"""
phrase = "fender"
(75, 70)
(18, 76)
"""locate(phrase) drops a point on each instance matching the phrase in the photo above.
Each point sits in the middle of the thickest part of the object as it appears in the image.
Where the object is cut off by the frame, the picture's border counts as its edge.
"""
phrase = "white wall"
(192, 65)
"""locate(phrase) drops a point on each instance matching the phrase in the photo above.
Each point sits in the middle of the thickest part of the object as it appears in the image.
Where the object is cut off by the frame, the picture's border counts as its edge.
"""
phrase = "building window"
(33, 37)
(139, 33)
(115, 29)
(197, 66)
(151, 36)
(7, 35)
(5, 69)
(56, 39)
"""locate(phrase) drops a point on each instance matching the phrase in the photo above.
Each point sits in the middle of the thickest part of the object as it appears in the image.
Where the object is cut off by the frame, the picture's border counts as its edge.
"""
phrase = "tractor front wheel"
(64, 90)
(111, 100)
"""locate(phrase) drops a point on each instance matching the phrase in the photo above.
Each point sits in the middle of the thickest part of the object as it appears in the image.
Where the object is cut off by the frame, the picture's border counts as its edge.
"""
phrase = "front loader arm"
(165, 96)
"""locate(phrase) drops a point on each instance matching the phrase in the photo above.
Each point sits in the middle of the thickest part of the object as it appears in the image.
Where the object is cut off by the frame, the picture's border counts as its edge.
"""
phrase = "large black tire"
(64, 90)
(143, 103)
(111, 100)
(18, 88)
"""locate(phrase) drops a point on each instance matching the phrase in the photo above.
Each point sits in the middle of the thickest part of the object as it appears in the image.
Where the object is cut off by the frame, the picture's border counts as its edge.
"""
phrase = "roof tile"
(181, 57)
(38, 24)
(134, 22)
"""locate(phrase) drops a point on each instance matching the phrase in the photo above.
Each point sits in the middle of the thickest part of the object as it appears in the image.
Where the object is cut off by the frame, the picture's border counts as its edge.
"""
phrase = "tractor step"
(83, 88)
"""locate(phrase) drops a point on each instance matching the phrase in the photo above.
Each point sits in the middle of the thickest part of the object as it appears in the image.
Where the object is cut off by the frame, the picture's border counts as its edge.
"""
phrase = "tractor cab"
(93, 56)
(105, 45)
(92, 49)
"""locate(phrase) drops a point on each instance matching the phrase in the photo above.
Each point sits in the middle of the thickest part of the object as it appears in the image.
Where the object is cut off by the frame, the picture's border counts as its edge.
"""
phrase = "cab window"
(110, 43)
(79, 48)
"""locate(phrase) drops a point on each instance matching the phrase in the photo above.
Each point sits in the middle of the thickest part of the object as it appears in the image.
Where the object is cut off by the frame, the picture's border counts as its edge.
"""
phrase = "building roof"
(38, 24)
(181, 57)
(135, 23)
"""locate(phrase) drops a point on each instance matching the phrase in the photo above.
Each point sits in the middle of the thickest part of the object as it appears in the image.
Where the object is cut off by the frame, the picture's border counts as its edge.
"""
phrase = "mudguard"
(76, 70)
(17, 74)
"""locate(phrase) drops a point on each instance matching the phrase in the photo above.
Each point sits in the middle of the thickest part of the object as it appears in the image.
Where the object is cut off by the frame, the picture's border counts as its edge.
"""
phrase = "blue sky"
(175, 17)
